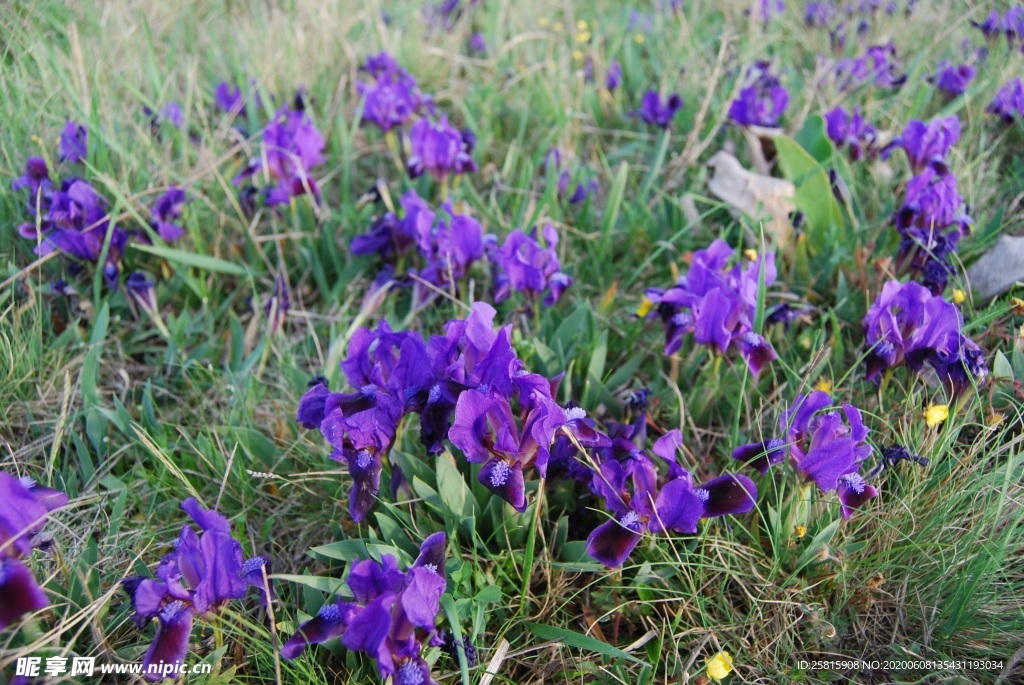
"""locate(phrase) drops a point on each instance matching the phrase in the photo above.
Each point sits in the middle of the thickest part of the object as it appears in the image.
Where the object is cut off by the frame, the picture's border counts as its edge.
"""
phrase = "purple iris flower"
(767, 9)
(440, 149)
(74, 143)
(1010, 24)
(641, 501)
(24, 506)
(449, 243)
(36, 178)
(824, 448)
(478, 44)
(392, 617)
(74, 221)
(952, 78)
(170, 113)
(931, 223)
(142, 292)
(486, 431)
(879, 66)
(614, 76)
(390, 236)
(167, 211)
(1009, 101)
(656, 112)
(763, 100)
(717, 305)
(361, 426)
(229, 99)
(393, 98)
(833, 455)
(820, 14)
(909, 325)
(292, 146)
(762, 455)
(928, 145)
(580, 193)
(527, 267)
(204, 572)
(461, 383)
(851, 131)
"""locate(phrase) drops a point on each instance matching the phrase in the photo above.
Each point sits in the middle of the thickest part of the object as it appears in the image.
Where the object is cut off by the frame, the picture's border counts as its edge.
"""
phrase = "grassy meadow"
(129, 416)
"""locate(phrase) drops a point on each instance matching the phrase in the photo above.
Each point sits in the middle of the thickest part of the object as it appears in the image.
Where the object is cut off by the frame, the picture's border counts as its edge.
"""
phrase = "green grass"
(129, 421)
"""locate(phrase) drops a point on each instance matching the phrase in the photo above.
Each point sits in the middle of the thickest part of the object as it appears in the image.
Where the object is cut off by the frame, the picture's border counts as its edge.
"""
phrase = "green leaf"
(613, 204)
(489, 595)
(819, 541)
(595, 369)
(321, 583)
(813, 190)
(100, 325)
(343, 550)
(1001, 368)
(452, 614)
(579, 641)
(452, 488)
(184, 258)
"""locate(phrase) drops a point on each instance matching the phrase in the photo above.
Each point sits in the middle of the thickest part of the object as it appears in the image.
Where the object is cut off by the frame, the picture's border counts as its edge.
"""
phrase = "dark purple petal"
(679, 507)
(369, 579)
(612, 542)
(223, 575)
(368, 628)
(329, 623)
(19, 592)
(172, 637)
(422, 596)
(505, 479)
(729, 494)
(854, 493)
(73, 143)
(761, 455)
(432, 553)
(311, 406)
(207, 519)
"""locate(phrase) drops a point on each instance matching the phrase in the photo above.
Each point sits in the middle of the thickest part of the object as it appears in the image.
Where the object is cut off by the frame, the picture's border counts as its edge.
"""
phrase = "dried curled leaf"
(759, 197)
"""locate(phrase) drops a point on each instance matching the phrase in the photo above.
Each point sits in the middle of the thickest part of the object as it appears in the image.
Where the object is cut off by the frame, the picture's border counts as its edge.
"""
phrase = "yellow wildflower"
(719, 666)
(644, 308)
(936, 414)
(959, 296)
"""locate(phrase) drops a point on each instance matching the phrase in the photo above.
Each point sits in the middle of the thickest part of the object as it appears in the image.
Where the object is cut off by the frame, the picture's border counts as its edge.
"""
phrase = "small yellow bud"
(558, 27)
(543, 21)
(644, 308)
(583, 36)
(577, 55)
(936, 414)
(994, 419)
(824, 384)
(751, 254)
(799, 531)
(638, 39)
(959, 296)
(581, 24)
(719, 666)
